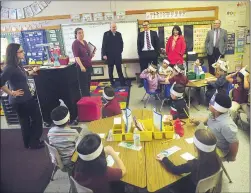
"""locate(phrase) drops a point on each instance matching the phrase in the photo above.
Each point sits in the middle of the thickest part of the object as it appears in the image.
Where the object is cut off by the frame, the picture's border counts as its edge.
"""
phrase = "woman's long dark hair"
(76, 31)
(11, 54)
(208, 163)
(178, 29)
(241, 76)
(96, 167)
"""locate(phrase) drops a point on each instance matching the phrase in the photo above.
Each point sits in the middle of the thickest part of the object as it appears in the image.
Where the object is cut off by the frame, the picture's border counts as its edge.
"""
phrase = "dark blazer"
(112, 46)
(154, 41)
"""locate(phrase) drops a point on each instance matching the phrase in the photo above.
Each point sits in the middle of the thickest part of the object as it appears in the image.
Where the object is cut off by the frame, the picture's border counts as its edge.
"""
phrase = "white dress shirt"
(145, 42)
(215, 32)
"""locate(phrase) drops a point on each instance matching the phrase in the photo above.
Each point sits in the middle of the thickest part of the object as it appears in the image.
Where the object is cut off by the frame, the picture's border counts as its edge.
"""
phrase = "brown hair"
(208, 163)
(76, 31)
(146, 21)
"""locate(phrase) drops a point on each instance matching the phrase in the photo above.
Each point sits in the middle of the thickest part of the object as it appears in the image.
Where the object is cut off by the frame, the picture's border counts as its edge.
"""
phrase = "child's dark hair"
(201, 60)
(108, 90)
(76, 31)
(96, 167)
(206, 159)
(59, 113)
(179, 88)
(239, 74)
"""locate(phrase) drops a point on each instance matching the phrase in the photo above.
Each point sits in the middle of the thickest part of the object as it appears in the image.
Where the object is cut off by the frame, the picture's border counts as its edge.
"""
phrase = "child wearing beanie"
(62, 137)
(222, 125)
(111, 105)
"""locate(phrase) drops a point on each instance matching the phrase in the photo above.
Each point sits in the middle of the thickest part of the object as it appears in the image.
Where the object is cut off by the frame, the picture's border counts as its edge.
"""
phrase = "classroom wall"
(72, 7)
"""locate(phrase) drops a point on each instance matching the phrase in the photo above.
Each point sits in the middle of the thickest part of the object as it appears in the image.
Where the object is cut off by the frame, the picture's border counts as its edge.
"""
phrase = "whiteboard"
(94, 32)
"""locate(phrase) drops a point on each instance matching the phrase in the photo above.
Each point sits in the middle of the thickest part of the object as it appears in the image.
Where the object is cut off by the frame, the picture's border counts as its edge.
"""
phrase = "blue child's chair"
(167, 95)
(150, 94)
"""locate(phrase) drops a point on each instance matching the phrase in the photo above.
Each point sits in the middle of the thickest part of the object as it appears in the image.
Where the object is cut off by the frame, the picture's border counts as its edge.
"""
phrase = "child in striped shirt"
(62, 137)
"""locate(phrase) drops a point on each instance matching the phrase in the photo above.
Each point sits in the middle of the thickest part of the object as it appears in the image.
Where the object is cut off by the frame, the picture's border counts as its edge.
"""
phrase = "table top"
(142, 167)
(197, 83)
(134, 160)
(157, 176)
(200, 82)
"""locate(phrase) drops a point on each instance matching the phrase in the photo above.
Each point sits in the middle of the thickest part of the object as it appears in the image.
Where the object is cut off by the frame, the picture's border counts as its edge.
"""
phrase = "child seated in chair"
(178, 76)
(240, 79)
(165, 69)
(220, 84)
(178, 104)
(198, 65)
(62, 137)
(221, 124)
(152, 77)
(111, 105)
(206, 164)
(91, 170)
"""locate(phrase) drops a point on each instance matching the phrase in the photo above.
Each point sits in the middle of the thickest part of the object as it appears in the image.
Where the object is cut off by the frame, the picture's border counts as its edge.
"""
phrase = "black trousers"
(117, 61)
(146, 58)
(84, 81)
(212, 59)
(31, 122)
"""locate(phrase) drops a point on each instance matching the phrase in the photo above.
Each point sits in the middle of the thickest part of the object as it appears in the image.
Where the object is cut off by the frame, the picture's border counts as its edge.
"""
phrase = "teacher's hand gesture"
(105, 57)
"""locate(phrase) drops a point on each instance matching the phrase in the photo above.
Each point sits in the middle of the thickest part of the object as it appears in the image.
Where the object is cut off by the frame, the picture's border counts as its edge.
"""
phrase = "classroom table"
(198, 84)
(157, 176)
(134, 160)
(143, 170)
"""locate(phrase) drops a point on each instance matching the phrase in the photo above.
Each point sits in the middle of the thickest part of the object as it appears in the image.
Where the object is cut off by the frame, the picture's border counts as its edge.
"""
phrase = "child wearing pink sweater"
(152, 77)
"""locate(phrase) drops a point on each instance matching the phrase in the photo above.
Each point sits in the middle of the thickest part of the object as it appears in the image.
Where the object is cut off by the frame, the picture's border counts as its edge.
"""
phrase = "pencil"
(186, 113)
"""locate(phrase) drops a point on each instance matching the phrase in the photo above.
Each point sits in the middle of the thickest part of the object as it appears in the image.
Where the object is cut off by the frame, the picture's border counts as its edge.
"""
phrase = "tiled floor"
(238, 170)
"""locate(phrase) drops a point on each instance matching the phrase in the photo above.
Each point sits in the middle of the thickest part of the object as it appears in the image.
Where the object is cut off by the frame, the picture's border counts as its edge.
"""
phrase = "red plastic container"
(64, 61)
(89, 108)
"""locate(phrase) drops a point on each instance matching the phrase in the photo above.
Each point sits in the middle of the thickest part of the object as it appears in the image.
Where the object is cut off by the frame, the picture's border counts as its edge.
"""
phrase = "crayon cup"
(136, 139)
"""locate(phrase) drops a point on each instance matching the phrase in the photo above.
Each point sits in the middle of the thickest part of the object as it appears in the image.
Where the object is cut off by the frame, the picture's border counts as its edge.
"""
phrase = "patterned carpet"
(122, 93)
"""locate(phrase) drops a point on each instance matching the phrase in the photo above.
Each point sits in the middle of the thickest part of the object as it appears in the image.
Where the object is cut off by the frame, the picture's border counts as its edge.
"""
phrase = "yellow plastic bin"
(168, 131)
(146, 135)
(118, 132)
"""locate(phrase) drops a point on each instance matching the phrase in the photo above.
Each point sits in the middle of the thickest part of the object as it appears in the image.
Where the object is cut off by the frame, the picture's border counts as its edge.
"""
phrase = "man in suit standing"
(112, 49)
(148, 47)
(216, 44)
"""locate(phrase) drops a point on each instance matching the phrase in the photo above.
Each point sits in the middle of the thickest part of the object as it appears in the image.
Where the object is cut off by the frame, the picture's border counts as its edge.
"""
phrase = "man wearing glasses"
(148, 47)
(216, 44)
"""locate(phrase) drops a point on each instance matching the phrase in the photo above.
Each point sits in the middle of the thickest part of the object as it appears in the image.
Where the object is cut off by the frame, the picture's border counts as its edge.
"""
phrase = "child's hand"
(193, 120)
(169, 118)
(108, 150)
(160, 157)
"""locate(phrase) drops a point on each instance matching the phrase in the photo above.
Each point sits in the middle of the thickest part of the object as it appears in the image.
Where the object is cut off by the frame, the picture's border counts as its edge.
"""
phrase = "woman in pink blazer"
(176, 47)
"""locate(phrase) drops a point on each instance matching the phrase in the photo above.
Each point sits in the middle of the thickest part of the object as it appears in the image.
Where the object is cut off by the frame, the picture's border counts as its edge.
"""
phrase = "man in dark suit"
(216, 44)
(112, 49)
(148, 47)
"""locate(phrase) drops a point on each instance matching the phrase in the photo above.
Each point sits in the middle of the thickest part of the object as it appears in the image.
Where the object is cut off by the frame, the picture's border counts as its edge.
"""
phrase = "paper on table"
(170, 151)
(101, 135)
(157, 120)
(110, 160)
(130, 146)
(187, 156)
(189, 140)
(127, 117)
(117, 121)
